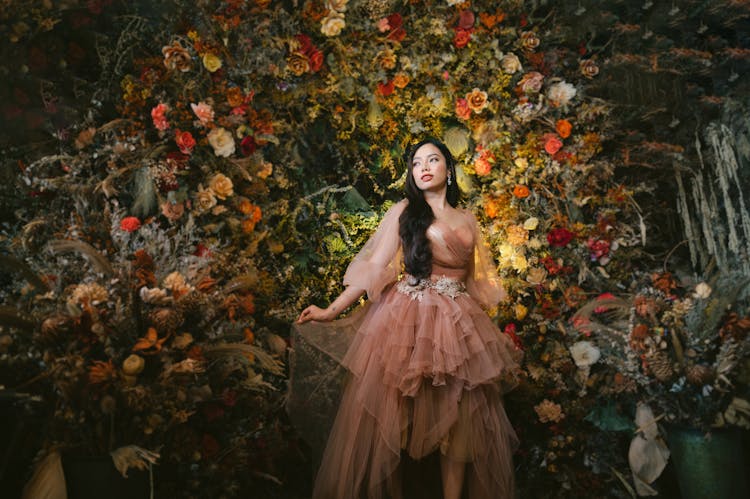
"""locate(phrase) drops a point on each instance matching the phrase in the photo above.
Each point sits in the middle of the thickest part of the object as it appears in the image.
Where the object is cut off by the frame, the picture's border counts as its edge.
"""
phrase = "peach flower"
(463, 111)
(204, 199)
(204, 112)
(477, 100)
(552, 143)
(176, 57)
(172, 211)
(221, 185)
(159, 116)
(332, 24)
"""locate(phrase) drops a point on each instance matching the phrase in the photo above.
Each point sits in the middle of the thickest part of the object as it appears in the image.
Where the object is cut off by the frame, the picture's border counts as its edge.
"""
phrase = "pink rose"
(531, 82)
(383, 25)
(185, 141)
(599, 249)
(204, 112)
(159, 116)
(552, 143)
(466, 20)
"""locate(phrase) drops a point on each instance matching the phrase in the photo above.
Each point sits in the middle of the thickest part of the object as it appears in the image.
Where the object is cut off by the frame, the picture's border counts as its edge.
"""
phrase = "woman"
(426, 361)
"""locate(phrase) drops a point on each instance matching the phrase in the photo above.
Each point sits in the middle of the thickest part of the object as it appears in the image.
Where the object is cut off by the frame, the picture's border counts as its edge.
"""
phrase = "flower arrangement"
(233, 169)
(681, 348)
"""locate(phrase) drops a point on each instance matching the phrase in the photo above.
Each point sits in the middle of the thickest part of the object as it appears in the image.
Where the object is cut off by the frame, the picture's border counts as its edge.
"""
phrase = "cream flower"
(332, 24)
(702, 291)
(221, 185)
(204, 199)
(516, 235)
(511, 64)
(536, 276)
(560, 94)
(153, 295)
(585, 353)
(531, 223)
(222, 141)
(521, 163)
(477, 100)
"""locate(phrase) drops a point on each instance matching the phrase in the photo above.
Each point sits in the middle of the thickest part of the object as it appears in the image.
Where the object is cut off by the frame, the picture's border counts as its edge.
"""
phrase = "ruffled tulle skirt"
(428, 369)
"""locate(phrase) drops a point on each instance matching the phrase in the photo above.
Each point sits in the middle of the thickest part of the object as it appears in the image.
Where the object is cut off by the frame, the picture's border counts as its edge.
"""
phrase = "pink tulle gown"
(428, 370)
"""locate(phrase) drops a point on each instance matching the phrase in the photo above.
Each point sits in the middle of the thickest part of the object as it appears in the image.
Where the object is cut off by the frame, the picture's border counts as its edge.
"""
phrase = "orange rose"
(482, 166)
(401, 80)
(521, 191)
(176, 57)
(492, 208)
(235, 97)
(563, 128)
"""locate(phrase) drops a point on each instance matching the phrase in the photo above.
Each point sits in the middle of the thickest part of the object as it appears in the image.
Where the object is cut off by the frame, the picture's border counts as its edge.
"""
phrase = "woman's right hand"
(315, 313)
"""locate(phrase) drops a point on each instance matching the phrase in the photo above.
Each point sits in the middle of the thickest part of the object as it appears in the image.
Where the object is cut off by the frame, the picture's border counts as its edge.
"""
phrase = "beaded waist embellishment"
(409, 285)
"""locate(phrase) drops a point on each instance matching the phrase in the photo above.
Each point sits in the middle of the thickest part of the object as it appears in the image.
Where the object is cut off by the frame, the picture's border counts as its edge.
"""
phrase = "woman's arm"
(341, 303)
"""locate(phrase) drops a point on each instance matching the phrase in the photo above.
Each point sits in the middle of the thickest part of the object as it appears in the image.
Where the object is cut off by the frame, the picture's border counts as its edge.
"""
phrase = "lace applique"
(444, 286)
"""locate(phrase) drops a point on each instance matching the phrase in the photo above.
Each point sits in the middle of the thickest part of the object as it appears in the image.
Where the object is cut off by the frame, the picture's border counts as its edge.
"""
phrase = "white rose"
(702, 291)
(585, 353)
(332, 24)
(561, 93)
(222, 141)
(511, 64)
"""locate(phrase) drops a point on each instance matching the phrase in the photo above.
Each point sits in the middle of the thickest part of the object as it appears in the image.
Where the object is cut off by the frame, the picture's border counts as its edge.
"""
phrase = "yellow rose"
(211, 62)
(221, 185)
(520, 311)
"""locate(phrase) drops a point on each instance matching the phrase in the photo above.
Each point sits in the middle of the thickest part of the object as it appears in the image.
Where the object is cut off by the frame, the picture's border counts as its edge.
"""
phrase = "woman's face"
(428, 168)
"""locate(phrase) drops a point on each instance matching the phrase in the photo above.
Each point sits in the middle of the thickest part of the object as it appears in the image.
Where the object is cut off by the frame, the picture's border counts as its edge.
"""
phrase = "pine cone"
(660, 365)
(699, 374)
(192, 303)
(166, 320)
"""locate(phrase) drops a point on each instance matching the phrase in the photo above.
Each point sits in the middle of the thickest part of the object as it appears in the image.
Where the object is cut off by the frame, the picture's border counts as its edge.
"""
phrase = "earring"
(449, 180)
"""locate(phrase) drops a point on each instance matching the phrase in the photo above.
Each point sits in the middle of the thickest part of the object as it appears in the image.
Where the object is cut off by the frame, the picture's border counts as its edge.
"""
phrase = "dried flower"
(531, 223)
(536, 276)
(584, 353)
(185, 141)
(560, 94)
(298, 63)
(172, 211)
(332, 24)
(221, 185)
(702, 291)
(89, 293)
(477, 100)
(588, 68)
(521, 191)
(463, 111)
(529, 40)
(159, 116)
(563, 128)
(133, 365)
(151, 343)
(516, 235)
(549, 412)
(204, 112)
(211, 62)
(176, 57)
(130, 224)
(559, 237)
(531, 83)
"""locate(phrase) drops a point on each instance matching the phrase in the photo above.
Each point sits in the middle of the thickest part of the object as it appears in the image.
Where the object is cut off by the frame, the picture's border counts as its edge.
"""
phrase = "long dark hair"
(418, 215)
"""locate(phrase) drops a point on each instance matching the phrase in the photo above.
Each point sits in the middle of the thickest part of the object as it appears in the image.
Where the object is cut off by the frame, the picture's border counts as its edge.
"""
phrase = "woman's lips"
(426, 178)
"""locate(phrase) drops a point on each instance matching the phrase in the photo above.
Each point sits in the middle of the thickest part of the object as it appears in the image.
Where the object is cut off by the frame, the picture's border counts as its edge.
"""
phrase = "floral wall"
(184, 177)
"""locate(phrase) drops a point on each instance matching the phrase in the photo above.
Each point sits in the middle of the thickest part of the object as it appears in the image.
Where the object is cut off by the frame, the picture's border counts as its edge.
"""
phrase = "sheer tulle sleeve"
(379, 261)
(483, 282)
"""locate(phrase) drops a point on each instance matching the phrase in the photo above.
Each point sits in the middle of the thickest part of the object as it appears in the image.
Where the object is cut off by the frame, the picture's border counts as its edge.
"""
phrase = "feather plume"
(12, 263)
(608, 315)
(9, 317)
(265, 360)
(244, 281)
(100, 263)
(145, 201)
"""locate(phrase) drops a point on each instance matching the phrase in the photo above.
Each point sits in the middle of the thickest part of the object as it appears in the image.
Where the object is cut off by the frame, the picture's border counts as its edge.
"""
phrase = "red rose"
(510, 330)
(305, 43)
(462, 38)
(185, 141)
(559, 237)
(130, 224)
(598, 248)
(397, 34)
(248, 145)
(395, 21)
(316, 60)
(386, 89)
